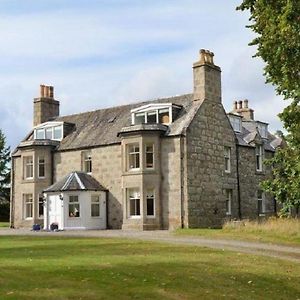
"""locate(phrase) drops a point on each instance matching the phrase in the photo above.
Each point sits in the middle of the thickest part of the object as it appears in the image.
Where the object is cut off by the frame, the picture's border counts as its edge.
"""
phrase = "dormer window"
(154, 113)
(49, 131)
(236, 122)
(262, 129)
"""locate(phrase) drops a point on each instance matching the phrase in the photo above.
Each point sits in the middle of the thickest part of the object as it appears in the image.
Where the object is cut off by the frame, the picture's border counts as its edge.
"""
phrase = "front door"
(55, 209)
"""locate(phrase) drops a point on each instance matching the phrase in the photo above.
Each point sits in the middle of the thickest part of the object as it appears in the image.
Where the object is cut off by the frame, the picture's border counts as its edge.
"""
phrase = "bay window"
(149, 156)
(28, 206)
(28, 167)
(74, 207)
(95, 206)
(133, 156)
(41, 167)
(150, 203)
(134, 198)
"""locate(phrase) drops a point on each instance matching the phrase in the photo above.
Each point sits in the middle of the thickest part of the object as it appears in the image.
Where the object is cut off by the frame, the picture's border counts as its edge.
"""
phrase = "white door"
(55, 207)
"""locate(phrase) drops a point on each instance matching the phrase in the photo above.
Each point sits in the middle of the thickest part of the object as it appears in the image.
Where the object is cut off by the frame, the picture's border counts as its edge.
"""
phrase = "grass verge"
(88, 268)
(280, 231)
(4, 224)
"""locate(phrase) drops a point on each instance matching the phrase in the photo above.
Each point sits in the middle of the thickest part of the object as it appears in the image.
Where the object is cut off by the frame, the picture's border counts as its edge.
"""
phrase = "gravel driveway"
(291, 253)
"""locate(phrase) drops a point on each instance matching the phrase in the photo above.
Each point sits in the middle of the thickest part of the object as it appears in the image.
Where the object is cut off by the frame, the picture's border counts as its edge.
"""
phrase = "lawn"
(4, 224)
(89, 268)
(279, 231)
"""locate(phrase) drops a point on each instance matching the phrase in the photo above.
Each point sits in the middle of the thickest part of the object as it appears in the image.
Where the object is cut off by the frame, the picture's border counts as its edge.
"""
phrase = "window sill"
(28, 219)
(227, 172)
(262, 215)
(134, 217)
(260, 172)
(228, 214)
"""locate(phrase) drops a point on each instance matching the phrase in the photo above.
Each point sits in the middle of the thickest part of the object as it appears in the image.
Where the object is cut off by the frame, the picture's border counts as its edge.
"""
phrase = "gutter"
(181, 183)
(238, 178)
(12, 193)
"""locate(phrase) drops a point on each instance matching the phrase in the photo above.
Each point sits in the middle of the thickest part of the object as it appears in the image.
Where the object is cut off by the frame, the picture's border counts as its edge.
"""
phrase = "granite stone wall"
(207, 135)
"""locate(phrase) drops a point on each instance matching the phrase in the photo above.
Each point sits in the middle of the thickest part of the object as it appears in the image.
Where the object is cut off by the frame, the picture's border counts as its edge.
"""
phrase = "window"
(57, 133)
(74, 207)
(258, 156)
(50, 131)
(260, 202)
(28, 206)
(140, 118)
(163, 115)
(133, 156)
(41, 206)
(149, 156)
(28, 167)
(150, 203)
(151, 117)
(87, 162)
(228, 201)
(41, 167)
(40, 134)
(154, 113)
(134, 203)
(236, 123)
(262, 129)
(227, 153)
(95, 206)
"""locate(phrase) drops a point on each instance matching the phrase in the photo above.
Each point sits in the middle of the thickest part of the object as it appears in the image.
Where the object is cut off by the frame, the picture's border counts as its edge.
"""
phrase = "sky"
(102, 53)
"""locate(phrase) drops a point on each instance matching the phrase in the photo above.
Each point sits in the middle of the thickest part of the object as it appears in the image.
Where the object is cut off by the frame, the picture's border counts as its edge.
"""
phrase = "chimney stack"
(242, 108)
(207, 78)
(45, 107)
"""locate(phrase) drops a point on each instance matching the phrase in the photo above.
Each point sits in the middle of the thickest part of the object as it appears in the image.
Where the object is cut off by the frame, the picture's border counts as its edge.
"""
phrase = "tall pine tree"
(4, 168)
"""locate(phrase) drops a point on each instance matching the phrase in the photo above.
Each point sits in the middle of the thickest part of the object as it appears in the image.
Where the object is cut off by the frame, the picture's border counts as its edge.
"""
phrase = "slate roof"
(76, 181)
(101, 127)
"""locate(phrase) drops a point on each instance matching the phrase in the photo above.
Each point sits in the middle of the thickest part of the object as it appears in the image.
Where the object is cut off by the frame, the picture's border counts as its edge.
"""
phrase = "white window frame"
(96, 202)
(148, 193)
(154, 108)
(41, 164)
(87, 162)
(132, 153)
(133, 194)
(51, 127)
(28, 166)
(228, 195)
(261, 198)
(71, 203)
(259, 158)
(236, 123)
(29, 203)
(263, 130)
(149, 152)
(227, 158)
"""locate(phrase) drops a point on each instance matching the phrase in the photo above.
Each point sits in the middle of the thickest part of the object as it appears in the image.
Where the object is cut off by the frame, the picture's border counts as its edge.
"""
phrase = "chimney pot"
(42, 91)
(245, 103)
(51, 91)
(240, 104)
(235, 105)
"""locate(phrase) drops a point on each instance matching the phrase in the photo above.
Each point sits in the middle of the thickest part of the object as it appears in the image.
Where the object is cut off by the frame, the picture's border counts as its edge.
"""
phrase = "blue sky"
(104, 53)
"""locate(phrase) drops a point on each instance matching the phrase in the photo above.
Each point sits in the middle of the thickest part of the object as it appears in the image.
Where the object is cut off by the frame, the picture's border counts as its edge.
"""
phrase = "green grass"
(4, 224)
(279, 231)
(87, 268)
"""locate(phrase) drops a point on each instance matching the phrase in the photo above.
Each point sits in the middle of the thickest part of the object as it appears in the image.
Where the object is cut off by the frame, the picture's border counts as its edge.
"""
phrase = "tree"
(277, 25)
(4, 168)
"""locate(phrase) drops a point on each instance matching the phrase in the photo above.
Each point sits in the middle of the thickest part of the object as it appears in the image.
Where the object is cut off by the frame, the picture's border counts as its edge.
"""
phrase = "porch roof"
(76, 181)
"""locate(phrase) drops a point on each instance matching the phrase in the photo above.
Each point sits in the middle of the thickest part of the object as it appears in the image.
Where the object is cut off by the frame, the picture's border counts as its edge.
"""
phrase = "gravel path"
(291, 253)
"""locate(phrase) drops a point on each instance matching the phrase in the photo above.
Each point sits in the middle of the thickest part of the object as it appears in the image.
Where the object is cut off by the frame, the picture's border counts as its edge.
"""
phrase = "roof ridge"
(122, 106)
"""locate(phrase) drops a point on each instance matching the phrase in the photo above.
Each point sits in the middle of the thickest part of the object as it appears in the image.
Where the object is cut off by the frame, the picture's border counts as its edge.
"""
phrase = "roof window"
(154, 113)
(49, 131)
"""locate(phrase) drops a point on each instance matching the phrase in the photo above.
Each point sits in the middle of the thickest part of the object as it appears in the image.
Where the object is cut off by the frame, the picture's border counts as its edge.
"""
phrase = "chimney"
(242, 108)
(45, 107)
(207, 78)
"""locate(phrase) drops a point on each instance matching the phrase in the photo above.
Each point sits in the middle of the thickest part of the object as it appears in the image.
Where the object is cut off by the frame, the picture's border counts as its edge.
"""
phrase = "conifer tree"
(4, 168)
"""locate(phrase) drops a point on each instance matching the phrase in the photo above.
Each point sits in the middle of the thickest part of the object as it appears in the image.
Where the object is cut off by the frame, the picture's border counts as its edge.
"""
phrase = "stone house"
(173, 162)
